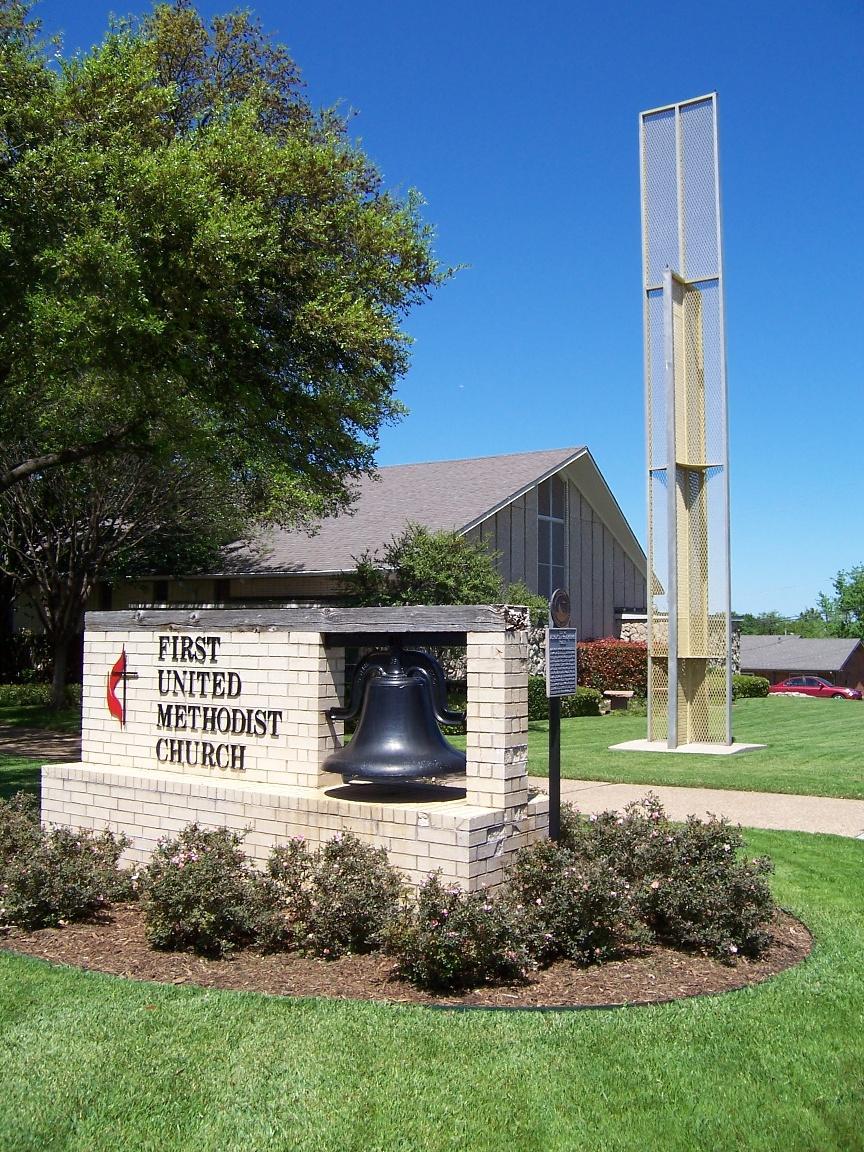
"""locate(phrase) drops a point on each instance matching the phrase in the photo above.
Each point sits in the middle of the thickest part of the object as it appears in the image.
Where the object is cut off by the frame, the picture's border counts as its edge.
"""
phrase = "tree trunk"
(9, 647)
(58, 678)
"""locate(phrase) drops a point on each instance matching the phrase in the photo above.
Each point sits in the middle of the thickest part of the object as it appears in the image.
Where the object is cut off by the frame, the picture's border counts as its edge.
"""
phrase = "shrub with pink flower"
(52, 876)
(353, 893)
(450, 939)
(200, 892)
(690, 884)
(575, 909)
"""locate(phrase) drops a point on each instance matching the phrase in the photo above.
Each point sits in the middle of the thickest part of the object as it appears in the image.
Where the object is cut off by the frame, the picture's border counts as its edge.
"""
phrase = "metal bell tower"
(689, 597)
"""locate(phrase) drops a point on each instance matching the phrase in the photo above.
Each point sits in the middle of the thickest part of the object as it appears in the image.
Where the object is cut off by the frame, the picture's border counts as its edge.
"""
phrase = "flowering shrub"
(636, 842)
(614, 881)
(200, 893)
(707, 897)
(575, 908)
(338, 899)
(613, 664)
(20, 832)
(290, 867)
(49, 876)
(450, 939)
(688, 882)
(353, 894)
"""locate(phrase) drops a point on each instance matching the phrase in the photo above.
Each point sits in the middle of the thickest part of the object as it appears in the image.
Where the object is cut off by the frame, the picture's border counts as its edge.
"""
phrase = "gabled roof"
(441, 495)
(795, 653)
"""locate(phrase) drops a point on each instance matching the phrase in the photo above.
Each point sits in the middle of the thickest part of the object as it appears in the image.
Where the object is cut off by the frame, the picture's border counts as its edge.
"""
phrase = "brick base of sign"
(470, 844)
(223, 717)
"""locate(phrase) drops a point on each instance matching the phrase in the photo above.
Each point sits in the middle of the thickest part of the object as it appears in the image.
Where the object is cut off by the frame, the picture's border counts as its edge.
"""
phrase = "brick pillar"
(315, 683)
(497, 722)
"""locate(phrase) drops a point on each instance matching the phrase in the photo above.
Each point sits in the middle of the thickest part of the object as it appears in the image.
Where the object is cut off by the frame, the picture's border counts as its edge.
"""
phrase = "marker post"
(560, 681)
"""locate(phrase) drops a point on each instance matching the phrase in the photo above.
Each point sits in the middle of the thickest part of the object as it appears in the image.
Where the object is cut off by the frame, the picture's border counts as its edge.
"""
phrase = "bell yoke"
(401, 697)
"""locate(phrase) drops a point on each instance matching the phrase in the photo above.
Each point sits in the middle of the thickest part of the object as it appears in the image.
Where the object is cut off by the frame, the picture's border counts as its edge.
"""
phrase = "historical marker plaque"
(560, 662)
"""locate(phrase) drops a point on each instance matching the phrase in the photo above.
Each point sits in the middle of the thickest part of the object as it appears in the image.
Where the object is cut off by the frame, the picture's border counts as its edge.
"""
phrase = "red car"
(815, 686)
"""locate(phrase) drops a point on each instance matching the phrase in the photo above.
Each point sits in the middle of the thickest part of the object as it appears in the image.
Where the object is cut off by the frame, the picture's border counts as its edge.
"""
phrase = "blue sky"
(519, 125)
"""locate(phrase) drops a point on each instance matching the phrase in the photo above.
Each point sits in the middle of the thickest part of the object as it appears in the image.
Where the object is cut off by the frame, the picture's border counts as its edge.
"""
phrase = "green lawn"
(93, 1064)
(814, 747)
(18, 775)
(39, 716)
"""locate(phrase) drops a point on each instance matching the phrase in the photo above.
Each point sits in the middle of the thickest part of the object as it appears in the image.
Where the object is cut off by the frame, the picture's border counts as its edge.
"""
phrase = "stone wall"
(634, 628)
(536, 651)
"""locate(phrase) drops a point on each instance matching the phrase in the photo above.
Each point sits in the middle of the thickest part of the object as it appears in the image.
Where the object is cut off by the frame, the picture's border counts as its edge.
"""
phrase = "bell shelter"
(226, 717)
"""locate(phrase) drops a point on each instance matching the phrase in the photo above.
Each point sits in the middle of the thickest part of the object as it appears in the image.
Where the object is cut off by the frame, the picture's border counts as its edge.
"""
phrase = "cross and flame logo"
(118, 675)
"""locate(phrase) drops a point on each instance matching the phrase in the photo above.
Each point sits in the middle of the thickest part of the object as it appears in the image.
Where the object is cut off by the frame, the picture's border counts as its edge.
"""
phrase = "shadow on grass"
(19, 776)
(41, 717)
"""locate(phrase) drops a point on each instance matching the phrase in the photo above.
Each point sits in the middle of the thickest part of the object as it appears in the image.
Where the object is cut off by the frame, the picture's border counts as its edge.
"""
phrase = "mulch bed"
(116, 944)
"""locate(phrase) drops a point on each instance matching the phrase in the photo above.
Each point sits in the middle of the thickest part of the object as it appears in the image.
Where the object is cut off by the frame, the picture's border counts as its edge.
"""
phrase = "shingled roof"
(795, 653)
(441, 495)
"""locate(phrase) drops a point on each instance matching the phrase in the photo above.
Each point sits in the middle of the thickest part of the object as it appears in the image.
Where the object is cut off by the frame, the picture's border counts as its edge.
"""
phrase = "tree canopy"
(196, 261)
(839, 615)
(770, 623)
(63, 530)
(844, 611)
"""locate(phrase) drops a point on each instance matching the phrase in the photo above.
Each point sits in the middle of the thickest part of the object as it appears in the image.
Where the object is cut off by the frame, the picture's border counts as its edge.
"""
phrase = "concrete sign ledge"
(700, 749)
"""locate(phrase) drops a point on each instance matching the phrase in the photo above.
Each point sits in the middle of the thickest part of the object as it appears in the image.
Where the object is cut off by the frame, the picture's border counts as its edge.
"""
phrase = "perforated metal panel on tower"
(689, 632)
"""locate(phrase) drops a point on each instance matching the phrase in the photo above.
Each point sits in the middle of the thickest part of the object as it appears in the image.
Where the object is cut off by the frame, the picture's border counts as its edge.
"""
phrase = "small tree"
(63, 531)
(423, 567)
(844, 612)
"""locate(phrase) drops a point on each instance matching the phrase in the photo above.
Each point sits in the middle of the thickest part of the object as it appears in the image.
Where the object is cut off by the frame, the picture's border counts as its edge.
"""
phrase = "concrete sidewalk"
(750, 809)
(33, 744)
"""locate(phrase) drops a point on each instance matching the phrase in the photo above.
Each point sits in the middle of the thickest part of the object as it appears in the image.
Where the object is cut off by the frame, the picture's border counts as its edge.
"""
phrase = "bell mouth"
(396, 791)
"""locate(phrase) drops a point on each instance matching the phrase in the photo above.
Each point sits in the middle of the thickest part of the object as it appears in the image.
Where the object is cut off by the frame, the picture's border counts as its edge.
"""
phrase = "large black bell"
(401, 697)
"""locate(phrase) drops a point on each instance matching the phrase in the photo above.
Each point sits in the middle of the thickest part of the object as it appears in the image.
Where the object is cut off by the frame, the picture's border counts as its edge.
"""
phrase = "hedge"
(585, 702)
(35, 695)
(748, 687)
(612, 664)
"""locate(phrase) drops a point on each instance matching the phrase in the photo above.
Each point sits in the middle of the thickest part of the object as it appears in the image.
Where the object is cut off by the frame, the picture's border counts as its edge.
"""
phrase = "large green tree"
(196, 261)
